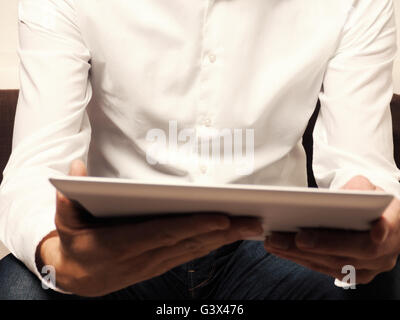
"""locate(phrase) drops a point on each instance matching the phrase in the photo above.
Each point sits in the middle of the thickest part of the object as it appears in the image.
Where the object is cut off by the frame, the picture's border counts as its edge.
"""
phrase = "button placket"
(207, 78)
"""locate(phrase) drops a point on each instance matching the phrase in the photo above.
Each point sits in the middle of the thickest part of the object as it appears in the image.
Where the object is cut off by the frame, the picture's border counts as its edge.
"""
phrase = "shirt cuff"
(25, 222)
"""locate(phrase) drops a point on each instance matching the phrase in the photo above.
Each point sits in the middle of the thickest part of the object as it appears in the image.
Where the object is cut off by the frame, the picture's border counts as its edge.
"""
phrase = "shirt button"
(203, 169)
(212, 58)
(207, 122)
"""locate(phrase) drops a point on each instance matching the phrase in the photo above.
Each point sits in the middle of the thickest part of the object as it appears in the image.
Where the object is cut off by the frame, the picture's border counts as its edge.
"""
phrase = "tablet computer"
(285, 209)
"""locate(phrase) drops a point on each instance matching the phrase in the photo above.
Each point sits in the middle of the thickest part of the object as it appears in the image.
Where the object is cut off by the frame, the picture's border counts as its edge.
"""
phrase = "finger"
(68, 213)
(133, 239)
(208, 242)
(385, 263)
(359, 183)
(293, 252)
(361, 277)
(142, 237)
(169, 232)
(339, 243)
(77, 168)
(335, 273)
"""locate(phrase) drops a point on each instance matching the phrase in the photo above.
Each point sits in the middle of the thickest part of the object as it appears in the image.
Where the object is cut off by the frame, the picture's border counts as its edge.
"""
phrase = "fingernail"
(279, 241)
(306, 239)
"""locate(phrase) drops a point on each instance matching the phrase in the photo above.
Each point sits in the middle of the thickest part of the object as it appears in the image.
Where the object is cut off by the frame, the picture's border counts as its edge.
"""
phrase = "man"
(97, 76)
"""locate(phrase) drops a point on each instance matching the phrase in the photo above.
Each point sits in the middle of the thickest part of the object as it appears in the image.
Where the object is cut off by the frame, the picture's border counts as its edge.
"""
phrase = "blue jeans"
(239, 271)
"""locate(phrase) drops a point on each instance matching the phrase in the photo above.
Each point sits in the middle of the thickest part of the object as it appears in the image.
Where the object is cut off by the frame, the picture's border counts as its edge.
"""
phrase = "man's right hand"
(94, 258)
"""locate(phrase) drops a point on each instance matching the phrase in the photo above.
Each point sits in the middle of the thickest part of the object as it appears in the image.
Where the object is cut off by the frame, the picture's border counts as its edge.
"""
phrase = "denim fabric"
(240, 271)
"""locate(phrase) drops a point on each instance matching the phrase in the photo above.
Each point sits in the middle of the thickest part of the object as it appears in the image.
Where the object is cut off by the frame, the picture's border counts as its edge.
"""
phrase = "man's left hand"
(328, 251)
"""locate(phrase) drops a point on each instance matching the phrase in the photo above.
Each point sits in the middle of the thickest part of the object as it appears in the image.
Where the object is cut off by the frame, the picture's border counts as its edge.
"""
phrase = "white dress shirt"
(97, 75)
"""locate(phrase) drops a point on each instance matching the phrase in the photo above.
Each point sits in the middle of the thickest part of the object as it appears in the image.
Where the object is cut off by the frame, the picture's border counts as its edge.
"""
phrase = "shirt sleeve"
(51, 125)
(353, 134)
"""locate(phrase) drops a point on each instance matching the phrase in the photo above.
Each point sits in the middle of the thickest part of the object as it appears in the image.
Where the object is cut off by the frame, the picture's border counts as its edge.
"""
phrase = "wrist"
(48, 253)
(40, 256)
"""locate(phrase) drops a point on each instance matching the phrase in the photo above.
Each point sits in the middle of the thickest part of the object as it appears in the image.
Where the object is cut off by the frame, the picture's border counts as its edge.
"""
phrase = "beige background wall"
(9, 60)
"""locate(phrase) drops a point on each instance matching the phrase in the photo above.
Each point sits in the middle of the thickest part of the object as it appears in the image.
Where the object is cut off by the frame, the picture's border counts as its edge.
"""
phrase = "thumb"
(70, 213)
(77, 168)
(359, 183)
(381, 228)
